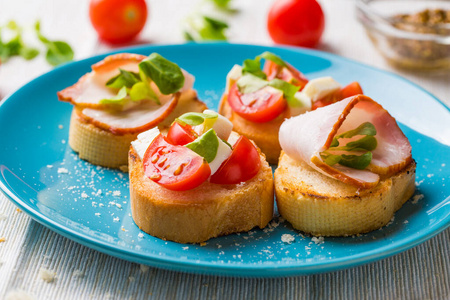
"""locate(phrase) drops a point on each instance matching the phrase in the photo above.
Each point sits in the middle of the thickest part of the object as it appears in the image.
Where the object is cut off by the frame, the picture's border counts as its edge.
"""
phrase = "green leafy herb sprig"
(205, 28)
(58, 52)
(15, 46)
(253, 78)
(224, 5)
(167, 76)
(363, 145)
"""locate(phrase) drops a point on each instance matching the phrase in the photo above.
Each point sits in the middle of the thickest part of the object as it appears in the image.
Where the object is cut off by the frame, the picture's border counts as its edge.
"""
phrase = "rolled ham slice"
(91, 88)
(133, 120)
(304, 137)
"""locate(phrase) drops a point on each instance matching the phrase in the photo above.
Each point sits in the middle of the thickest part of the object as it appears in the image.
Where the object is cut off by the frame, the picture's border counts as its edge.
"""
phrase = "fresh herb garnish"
(254, 78)
(124, 78)
(204, 28)
(206, 145)
(117, 99)
(15, 46)
(58, 52)
(365, 144)
(167, 76)
(194, 118)
(224, 5)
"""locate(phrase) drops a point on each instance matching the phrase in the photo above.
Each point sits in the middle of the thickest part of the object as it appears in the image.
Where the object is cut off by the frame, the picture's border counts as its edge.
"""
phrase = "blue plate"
(90, 204)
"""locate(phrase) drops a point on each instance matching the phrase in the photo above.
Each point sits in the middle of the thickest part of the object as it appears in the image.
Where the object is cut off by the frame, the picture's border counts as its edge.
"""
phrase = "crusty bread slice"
(265, 135)
(320, 205)
(103, 148)
(196, 215)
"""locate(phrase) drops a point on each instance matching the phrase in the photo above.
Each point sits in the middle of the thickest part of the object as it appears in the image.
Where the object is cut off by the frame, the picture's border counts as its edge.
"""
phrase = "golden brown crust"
(317, 204)
(104, 148)
(207, 211)
(265, 135)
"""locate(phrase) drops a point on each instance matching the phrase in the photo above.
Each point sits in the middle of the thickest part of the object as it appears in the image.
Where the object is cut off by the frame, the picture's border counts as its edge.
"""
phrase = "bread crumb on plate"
(47, 275)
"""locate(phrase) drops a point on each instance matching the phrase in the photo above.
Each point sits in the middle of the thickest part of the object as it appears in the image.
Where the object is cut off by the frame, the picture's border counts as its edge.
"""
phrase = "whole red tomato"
(296, 22)
(118, 21)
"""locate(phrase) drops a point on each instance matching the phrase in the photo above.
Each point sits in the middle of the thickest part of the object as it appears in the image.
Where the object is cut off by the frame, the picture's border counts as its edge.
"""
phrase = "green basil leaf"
(288, 90)
(334, 142)
(215, 23)
(212, 29)
(188, 37)
(142, 91)
(58, 52)
(206, 145)
(359, 162)
(117, 99)
(124, 78)
(28, 53)
(253, 66)
(194, 119)
(249, 83)
(167, 75)
(368, 143)
(366, 128)
(14, 46)
(274, 58)
(330, 159)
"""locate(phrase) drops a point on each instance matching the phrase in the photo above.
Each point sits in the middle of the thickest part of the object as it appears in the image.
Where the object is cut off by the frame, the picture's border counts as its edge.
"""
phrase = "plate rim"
(230, 268)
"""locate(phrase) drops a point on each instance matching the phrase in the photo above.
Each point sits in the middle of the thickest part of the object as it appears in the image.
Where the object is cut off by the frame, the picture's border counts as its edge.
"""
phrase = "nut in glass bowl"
(412, 34)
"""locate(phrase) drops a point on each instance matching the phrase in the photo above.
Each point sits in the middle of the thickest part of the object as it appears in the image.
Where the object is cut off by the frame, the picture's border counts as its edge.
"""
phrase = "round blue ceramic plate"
(90, 204)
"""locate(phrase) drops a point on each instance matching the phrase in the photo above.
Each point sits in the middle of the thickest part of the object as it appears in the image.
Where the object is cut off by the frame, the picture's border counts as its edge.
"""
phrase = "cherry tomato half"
(118, 21)
(261, 106)
(350, 90)
(243, 164)
(181, 134)
(296, 22)
(174, 167)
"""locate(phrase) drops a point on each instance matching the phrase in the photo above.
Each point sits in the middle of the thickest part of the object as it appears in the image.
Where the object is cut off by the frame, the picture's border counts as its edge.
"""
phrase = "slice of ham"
(133, 120)
(304, 137)
(91, 88)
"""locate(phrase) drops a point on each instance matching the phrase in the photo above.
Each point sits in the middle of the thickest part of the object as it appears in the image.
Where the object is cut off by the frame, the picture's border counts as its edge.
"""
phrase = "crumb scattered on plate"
(47, 275)
(287, 238)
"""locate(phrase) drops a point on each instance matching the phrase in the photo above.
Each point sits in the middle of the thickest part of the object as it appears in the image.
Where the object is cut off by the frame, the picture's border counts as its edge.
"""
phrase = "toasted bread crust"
(265, 135)
(104, 148)
(319, 205)
(196, 215)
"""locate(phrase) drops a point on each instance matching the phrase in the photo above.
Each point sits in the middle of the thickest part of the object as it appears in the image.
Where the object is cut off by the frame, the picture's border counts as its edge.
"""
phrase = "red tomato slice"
(174, 167)
(261, 106)
(181, 134)
(350, 90)
(243, 164)
(289, 74)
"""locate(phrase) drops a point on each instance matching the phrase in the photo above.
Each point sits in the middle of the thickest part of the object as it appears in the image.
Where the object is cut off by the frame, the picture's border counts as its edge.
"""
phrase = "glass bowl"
(410, 34)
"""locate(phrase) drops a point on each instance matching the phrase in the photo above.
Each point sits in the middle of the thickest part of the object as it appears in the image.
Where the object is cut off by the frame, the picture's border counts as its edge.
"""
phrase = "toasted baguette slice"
(319, 205)
(196, 215)
(103, 148)
(265, 135)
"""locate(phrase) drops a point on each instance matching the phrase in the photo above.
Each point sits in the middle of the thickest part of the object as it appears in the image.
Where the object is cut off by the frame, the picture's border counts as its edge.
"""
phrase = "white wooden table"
(82, 273)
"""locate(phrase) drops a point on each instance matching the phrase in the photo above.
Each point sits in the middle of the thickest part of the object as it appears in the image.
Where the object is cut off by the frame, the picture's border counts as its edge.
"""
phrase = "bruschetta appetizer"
(257, 101)
(198, 180)
(344, 169)
(123, 95)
